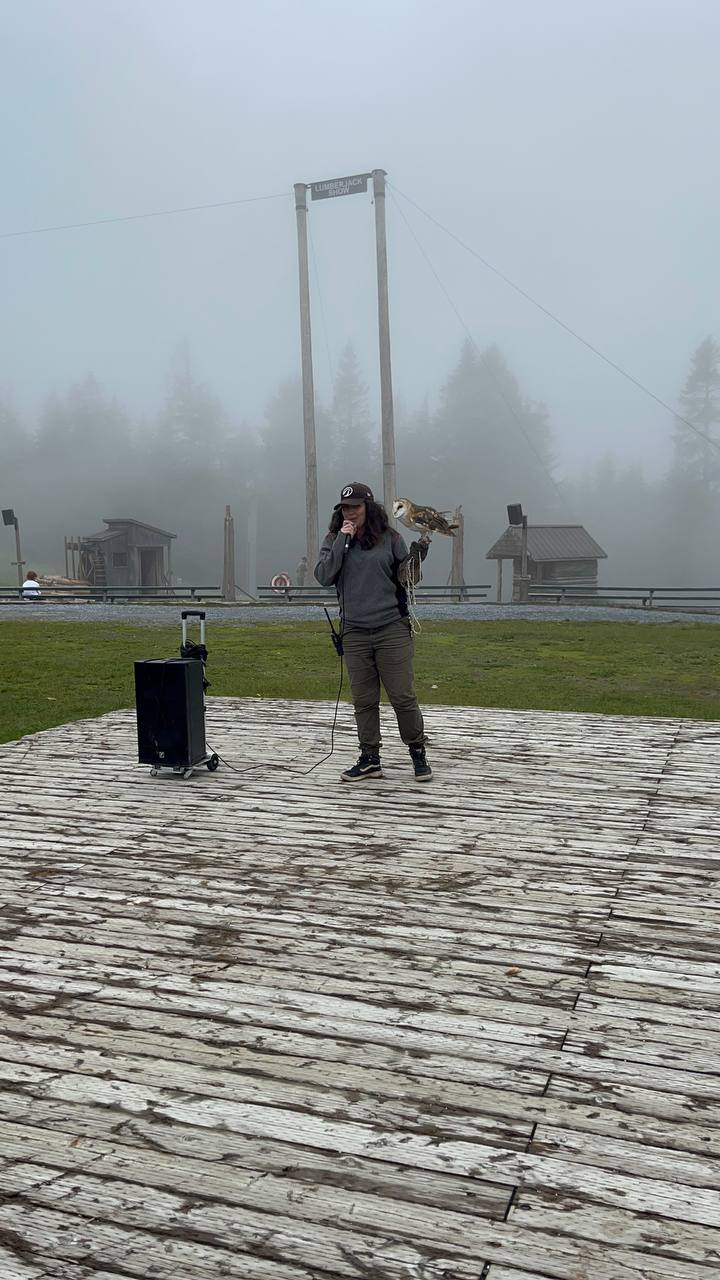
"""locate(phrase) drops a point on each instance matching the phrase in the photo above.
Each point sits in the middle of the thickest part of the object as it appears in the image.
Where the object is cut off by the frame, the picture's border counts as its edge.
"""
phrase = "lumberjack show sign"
(339, 186)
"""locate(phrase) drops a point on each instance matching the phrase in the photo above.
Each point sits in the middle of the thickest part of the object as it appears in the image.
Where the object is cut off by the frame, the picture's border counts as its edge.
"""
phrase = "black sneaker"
(368, 766)
(423, 772)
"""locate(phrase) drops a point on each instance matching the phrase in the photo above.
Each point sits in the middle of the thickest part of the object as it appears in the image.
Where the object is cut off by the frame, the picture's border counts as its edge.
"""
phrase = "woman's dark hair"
(376, 522)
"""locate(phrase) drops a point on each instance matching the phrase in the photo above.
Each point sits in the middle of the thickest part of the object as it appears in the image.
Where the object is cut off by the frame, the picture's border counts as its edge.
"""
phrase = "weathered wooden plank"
(584, 1219)
(247, 1247)
(495, 946)
(465, 1016)
(61, 1239)
(139, 1088)
(650, 1015)
(459, 1086)
(506, 1043)
(225, 1168)
(262, 952)
(646, 1161)
(510, 1273)
(416, 1149)
(633, 1100)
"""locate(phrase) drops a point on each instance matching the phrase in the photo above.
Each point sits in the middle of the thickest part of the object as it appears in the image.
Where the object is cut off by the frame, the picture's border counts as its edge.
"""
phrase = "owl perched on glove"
(424, 520)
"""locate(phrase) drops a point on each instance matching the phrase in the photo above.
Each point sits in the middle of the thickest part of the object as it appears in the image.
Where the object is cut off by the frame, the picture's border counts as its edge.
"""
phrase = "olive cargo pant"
(384, 655)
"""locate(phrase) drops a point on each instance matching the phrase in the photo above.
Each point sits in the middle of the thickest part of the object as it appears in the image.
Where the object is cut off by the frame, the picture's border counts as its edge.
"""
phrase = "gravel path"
(169, 615)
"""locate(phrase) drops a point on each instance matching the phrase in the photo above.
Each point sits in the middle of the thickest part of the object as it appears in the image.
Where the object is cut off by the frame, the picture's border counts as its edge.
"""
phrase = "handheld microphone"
(348, 540)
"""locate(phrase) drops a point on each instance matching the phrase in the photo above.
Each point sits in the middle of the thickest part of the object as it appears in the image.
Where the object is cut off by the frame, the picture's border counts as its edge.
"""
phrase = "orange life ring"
(280, 583)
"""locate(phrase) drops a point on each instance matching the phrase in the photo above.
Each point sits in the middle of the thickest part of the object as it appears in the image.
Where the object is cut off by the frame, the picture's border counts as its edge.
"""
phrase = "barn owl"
(425, 520)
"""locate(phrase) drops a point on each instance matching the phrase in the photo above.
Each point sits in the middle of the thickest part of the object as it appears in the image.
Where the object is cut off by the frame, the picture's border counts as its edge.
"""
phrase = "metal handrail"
(560, 592)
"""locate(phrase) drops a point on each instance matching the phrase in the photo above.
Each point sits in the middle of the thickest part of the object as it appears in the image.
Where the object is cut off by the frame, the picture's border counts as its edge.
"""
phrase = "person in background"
(360, 557)
(31, 587)
(301, 572)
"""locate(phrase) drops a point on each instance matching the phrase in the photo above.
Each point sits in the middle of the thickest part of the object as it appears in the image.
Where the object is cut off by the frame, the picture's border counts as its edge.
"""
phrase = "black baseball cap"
(354, 492)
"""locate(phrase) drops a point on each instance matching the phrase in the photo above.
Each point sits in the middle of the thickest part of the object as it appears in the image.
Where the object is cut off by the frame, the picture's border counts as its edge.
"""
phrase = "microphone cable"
(337, 640)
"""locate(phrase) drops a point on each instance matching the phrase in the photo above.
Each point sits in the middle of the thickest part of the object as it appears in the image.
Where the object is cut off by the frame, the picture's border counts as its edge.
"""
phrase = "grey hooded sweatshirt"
(365, 579)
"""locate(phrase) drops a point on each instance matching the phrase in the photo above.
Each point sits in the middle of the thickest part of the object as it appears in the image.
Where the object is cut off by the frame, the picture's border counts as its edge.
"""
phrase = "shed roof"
(548, 542)
(103, 536)
(117, 528)
(141, 525)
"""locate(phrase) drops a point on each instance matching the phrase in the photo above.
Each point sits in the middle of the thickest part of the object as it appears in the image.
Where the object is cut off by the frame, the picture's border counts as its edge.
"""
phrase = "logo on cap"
(347, 491)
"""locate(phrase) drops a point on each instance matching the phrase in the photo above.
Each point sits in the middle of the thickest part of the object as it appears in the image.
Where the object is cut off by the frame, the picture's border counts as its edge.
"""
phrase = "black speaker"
(8, 516)
(170, 713)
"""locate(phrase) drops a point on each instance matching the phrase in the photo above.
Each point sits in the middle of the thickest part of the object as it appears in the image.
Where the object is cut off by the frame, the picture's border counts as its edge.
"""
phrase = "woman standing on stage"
(361, 557)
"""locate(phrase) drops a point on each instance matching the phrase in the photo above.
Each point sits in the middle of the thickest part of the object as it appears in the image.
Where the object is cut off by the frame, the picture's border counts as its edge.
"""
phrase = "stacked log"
(55, 580)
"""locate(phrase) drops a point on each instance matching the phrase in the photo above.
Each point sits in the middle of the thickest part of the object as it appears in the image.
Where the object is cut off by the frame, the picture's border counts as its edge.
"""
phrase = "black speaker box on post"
(170, 713)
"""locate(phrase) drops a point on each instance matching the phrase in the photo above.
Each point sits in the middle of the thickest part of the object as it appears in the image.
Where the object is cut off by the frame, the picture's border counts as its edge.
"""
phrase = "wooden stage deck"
(265, 1026)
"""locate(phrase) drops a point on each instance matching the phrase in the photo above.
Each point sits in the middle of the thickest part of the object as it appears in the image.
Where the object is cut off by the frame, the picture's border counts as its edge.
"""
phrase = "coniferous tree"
(353, 445)
(281, 483)
(690, 526)
(184, 486)
(81, 466)
(486, 445)
(191, 426)
(697, 452)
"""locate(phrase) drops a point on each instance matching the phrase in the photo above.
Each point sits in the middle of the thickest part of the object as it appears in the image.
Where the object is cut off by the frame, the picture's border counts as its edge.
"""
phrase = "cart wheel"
(153, 773)
(213, 762)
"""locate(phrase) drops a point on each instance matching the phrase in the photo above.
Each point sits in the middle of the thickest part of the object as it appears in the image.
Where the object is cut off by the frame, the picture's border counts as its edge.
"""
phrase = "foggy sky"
(572, 143)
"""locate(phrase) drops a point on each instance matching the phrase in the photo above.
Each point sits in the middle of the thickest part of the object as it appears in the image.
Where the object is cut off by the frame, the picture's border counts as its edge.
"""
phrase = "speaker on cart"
(170, 713)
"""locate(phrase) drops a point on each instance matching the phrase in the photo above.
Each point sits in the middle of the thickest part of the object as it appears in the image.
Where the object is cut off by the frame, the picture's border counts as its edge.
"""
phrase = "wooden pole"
(229, 557)
(252, 523)
(523, 583)
(386, 392)
(67, 574)
(308, 390)
(457, 577)
(20, 562)
(499, 581)
(523, 567)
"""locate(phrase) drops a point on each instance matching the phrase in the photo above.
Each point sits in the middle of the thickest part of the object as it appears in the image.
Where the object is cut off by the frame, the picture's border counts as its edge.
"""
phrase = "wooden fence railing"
(688, 598)
(322, 595)
(115, 595)
(312, 594)
(646, 597)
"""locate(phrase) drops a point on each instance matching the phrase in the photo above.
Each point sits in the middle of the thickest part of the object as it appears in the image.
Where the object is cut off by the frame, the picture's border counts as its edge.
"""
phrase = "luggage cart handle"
(193, 613)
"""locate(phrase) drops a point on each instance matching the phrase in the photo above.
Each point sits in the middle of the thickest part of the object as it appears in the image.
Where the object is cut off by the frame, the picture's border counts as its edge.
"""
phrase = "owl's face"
(400, 507)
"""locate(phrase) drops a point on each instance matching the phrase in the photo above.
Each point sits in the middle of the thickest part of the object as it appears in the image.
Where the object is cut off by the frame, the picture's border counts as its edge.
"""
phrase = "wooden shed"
(555, 553)
(127, 554)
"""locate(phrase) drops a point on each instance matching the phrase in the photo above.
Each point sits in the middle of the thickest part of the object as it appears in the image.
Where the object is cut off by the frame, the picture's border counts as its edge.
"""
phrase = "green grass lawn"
(55, 672)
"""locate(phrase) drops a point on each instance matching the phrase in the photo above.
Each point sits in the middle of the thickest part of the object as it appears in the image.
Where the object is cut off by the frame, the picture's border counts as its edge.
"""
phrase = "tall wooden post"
(308, 390)
(523, 551)
(229, 557)
(20, 562)
(499, 580)
(386, 393)
(252, 523)
(524, 581)
(457, 577)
